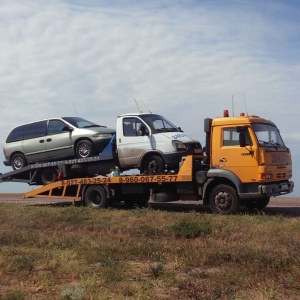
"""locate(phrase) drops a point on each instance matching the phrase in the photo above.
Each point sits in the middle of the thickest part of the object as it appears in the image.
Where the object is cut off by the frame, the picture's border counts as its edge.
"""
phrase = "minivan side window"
(16, 134)
(35, 130)
(55, 127)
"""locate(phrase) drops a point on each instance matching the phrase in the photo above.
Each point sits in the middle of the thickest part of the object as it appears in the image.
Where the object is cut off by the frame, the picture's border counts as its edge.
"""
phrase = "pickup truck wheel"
(85, 148)
(153, 164)
(95, 197)
(224, 200)
(18, 161)
(49, 175)
(257, 203)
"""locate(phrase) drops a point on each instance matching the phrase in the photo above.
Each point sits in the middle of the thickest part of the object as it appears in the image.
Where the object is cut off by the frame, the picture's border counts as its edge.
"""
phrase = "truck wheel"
(49, 175)
(95, 197)
(85, 149)
(153, 164)
(257, 203)
(18, 161)
(224, 200)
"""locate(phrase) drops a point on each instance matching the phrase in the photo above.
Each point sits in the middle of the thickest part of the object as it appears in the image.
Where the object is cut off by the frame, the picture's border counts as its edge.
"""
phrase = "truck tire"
(153, 165)
(49, 175)
(95, 197)
(258, 204)
(18, 161)
(224, 200)
(85, 148)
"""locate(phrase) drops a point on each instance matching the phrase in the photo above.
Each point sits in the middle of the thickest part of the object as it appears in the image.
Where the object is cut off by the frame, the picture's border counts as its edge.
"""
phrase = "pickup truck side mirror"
(143, 130)
(67, 128)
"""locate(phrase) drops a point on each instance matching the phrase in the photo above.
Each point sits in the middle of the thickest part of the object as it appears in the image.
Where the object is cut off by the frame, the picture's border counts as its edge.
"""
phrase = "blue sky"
(183, 59)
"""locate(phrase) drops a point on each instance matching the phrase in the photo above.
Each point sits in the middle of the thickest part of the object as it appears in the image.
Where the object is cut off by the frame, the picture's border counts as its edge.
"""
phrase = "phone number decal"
(121, 179)
(96, 180)
(144, 179)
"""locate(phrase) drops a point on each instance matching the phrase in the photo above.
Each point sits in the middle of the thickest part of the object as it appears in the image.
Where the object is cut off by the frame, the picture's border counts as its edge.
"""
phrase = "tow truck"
(245, 163)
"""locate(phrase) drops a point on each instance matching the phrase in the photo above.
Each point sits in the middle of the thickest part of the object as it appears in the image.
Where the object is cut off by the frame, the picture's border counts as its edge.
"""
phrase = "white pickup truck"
(151, 143)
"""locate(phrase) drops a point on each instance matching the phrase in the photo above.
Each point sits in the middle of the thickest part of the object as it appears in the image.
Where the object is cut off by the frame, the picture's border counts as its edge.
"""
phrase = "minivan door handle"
(48, 140)
(41, 141)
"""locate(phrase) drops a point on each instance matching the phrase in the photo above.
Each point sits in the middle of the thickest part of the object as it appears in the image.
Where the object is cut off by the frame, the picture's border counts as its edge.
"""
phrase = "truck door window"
(131, 126)
(231, 137)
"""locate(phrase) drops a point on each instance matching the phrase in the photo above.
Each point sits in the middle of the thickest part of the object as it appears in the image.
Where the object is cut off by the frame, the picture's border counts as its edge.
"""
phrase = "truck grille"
(281, 175)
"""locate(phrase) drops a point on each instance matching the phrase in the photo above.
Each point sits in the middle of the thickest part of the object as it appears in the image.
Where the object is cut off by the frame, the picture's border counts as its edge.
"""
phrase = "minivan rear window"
(34, 130)
(16, 134)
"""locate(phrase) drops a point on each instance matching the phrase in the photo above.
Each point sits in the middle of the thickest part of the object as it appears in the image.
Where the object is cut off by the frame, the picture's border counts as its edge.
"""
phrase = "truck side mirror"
(242, 139)
(143, 131)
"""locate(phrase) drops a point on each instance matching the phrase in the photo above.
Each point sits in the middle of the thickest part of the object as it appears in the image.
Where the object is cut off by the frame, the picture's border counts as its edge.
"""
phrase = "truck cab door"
(133, 140)
(228, 154)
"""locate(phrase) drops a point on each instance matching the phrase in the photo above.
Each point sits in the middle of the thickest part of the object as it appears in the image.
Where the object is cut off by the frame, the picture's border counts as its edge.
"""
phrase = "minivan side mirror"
(67, 128)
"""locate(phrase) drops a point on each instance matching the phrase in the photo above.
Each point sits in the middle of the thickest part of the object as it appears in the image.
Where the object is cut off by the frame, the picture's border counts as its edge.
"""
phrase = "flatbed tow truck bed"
(100, 190)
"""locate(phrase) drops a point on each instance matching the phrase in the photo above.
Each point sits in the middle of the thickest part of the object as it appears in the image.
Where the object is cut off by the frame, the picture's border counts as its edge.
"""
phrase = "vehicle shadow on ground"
(288, 212)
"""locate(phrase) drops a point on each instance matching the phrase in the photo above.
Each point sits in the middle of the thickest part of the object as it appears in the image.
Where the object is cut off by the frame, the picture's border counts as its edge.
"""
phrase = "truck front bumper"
(270, 190)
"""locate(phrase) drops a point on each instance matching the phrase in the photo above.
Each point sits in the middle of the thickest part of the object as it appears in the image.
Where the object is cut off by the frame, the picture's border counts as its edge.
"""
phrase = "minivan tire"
(18, 161)
(85, 148)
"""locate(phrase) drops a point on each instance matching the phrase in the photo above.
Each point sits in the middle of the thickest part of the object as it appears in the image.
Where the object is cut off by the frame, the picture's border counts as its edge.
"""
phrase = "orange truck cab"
(248, 154)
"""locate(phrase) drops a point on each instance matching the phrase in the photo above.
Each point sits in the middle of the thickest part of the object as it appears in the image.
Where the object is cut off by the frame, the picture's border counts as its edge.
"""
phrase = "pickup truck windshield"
(159, 124)
(268, 135)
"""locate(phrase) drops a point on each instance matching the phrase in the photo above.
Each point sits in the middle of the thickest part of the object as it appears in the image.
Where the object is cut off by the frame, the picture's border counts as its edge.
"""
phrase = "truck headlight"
(179, 146)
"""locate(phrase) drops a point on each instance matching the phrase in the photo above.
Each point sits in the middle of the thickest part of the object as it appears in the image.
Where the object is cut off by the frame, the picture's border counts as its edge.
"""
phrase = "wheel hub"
(223, 201)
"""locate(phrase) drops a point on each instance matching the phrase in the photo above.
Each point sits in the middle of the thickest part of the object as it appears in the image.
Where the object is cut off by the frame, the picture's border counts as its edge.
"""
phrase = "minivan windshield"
(268, 135)
(158, 123)
(80, 122)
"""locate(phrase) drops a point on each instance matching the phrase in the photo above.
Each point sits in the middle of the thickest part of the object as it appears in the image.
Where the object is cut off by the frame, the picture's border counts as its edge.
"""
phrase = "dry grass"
(79, 253)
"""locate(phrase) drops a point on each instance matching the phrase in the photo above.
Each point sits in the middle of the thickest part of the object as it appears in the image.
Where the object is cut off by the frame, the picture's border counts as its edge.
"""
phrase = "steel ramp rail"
(55, 190)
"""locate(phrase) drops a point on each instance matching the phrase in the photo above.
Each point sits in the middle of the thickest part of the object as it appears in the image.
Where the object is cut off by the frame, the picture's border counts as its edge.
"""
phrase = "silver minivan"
(54, 139)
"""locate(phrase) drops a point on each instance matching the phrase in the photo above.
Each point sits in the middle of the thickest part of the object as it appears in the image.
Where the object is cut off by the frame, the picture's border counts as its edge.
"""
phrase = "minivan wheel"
(85, 149)
(18, 161)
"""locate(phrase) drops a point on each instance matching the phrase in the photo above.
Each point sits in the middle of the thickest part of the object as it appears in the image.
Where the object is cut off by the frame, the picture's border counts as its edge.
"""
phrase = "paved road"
(289, 207)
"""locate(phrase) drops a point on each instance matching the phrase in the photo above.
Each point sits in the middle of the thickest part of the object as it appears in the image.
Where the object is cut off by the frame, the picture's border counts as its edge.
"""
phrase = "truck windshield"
(268, 135)
(80, 122)
(158, 124)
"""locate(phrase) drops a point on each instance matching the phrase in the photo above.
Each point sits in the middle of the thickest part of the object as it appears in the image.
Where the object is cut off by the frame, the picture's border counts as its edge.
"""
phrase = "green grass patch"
(79, 253)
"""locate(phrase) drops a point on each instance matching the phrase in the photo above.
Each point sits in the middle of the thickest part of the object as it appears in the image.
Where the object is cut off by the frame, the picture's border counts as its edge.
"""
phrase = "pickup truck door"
(132, 142)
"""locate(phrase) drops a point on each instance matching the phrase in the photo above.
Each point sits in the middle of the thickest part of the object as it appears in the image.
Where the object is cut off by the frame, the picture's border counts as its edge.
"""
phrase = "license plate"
(284, 187)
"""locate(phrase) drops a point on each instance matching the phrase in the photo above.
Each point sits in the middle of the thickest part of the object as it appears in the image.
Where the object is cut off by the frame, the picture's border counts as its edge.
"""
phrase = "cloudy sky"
(185, 60)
